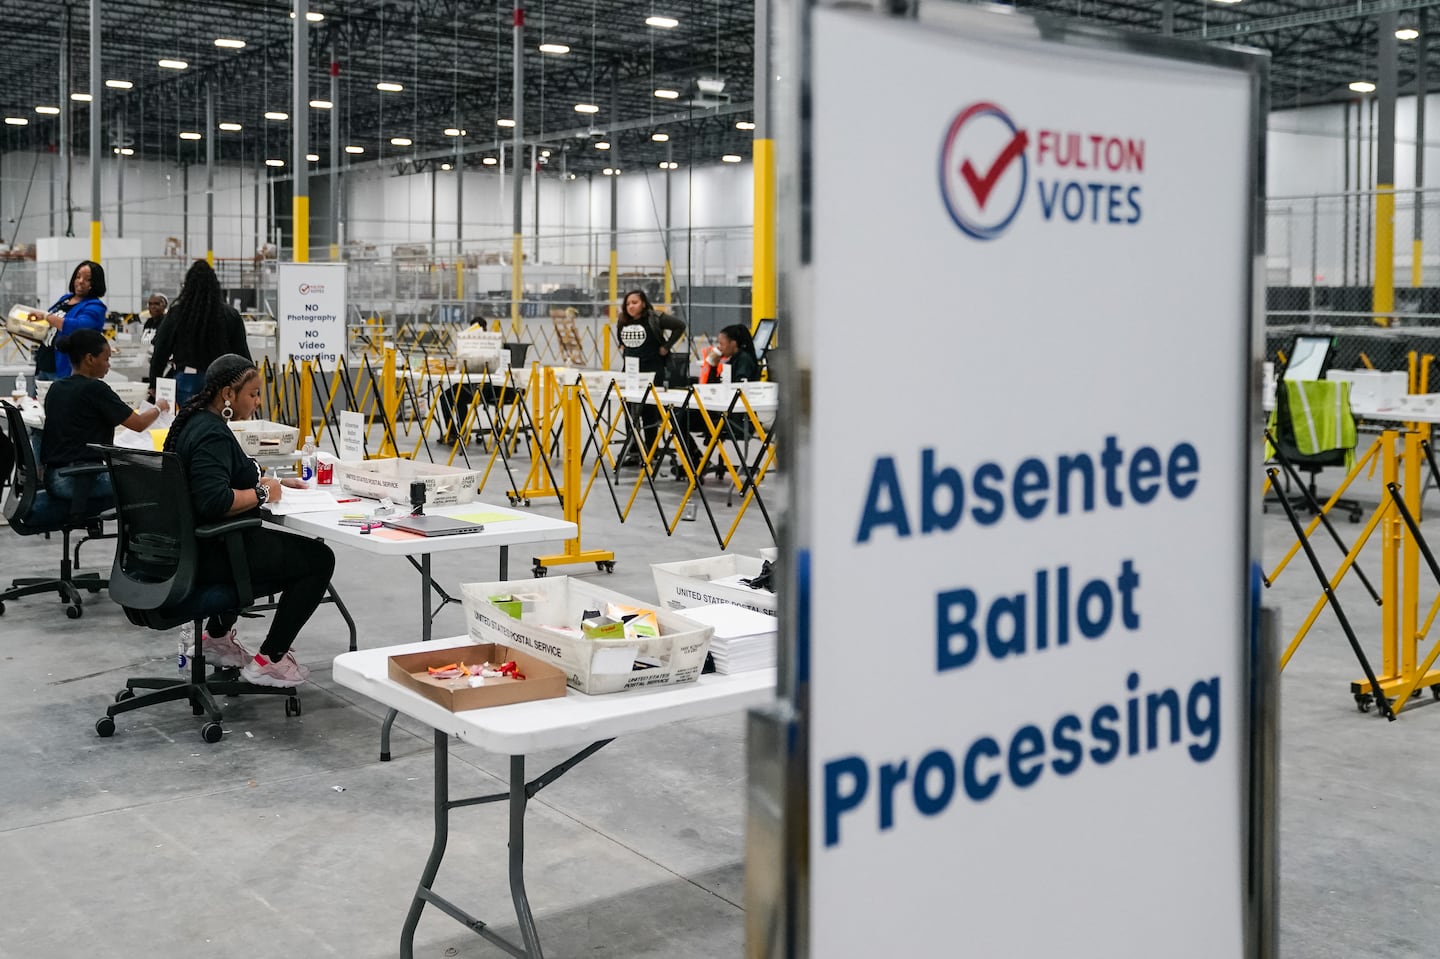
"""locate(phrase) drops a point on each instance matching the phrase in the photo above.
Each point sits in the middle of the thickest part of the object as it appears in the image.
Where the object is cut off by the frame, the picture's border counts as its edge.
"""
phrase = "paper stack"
(743, 640)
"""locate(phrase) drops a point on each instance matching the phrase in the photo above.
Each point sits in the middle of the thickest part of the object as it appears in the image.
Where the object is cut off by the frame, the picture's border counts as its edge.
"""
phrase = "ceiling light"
(586, 108)
(602, 145)
(607, 171)
(454, 132)
(231, 127)
(730, 158)
(545, 153)
(313, 157)
(664, 23)
(556, 48)
(353, 149)
(274, 162)
(1407, 33)
(276, 115)
(173, 64)
(660, 137)
(320, 104)
(229, 44)
(668, 94)
(710, 85)
(119, 84)
(123, 151)
(17, 121)
(505, 123)
(312, 16)
(1363, 86)
(744, 125)
(188, 135)
(80, 97)
(1227, 1)
(489, 161)
(401, 141)
(48, 111)
(669, 165)
(387, 87)
(445, 166)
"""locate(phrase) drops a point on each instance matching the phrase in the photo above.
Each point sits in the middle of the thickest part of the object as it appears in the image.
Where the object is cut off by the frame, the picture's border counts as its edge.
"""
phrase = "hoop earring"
(227, 412)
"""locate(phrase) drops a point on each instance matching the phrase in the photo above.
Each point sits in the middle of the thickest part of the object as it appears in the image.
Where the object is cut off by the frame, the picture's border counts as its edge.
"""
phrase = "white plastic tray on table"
(391, 478)
(713, 579)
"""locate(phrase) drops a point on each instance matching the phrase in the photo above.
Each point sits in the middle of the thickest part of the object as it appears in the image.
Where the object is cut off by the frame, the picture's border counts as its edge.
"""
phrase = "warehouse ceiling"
(454, 59)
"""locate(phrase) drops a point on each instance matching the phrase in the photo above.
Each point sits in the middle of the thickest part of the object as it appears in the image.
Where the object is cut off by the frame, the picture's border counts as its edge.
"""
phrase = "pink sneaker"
(224, 651)
(287, 672)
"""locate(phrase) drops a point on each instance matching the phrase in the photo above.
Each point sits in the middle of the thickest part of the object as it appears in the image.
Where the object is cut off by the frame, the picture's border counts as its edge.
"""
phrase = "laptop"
(432, 525)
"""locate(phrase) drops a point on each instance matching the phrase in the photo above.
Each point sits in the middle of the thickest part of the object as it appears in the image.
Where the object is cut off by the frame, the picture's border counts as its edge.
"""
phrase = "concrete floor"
(291, 835)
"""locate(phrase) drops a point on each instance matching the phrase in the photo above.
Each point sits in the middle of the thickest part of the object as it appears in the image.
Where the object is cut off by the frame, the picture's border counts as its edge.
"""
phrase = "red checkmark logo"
(981, 185)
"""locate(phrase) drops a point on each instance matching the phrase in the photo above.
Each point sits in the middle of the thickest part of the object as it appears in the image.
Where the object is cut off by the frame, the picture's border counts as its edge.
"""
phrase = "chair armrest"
(226, 527)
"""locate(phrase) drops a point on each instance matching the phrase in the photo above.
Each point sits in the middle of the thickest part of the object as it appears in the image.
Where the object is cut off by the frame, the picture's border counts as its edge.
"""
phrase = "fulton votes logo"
(307, 288)
(986, 173)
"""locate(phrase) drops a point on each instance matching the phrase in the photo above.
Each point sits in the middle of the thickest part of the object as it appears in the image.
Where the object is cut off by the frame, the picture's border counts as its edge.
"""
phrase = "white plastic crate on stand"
(391, 478)
(591, 665)
(714, 579)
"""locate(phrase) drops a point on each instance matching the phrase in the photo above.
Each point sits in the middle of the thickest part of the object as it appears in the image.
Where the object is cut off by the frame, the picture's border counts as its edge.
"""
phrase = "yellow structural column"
(1384, 303)
(763, 289)
(390, 402)
(306, 408)
(95, 240)
(302, 229)
(1416, 270)
(614, 305)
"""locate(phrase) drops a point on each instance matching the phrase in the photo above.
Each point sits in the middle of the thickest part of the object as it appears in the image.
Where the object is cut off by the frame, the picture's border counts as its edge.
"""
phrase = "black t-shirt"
(215, 465)
(79, 410)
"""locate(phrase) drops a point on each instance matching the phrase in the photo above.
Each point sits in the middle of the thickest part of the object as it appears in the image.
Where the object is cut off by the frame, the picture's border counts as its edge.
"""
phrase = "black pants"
(297, 568)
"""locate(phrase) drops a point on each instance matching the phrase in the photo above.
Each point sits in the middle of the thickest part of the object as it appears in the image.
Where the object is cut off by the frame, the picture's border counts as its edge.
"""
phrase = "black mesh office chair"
(1308, 463)
(31, 511)
(153, 579)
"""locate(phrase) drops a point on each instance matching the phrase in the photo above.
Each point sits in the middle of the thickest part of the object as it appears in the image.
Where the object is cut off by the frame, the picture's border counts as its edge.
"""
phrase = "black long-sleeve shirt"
(165, 345)
(215, 465)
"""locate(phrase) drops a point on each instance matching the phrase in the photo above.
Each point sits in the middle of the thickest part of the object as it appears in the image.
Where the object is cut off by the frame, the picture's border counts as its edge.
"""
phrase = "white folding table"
(520, 529)
(577, 720)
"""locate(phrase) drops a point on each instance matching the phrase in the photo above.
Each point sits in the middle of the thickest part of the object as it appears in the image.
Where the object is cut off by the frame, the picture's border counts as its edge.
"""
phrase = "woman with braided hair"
(225, 482)
(200, 327)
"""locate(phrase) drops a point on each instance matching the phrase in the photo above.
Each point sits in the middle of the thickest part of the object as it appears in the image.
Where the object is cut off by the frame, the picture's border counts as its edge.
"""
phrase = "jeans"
(186, 386)
(60, 483)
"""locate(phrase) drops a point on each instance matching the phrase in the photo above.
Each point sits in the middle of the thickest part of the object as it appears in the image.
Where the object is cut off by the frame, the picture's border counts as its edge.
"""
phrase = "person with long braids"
(225, 482)
(200, 327)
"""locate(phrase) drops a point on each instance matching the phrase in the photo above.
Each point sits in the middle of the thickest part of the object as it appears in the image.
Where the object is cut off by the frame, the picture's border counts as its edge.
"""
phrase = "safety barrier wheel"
(105, 727)
(212, 732)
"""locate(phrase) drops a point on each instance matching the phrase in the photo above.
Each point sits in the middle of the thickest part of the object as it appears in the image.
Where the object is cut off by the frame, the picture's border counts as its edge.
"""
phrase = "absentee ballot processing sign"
(312, 312)
(1027, 531)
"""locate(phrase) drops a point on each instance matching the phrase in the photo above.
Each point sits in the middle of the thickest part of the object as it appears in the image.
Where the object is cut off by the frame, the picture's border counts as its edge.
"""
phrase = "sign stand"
(1013, 716)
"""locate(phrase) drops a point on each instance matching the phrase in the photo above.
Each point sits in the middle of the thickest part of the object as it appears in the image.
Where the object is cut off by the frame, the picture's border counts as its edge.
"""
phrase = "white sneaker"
(223, 651)
(287, 672)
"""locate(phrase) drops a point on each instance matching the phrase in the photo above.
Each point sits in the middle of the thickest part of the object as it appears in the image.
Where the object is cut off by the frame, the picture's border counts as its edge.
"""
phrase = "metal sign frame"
(778, 867)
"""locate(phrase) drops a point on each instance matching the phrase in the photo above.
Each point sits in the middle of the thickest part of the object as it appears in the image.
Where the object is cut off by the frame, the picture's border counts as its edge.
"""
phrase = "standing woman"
(81, 308)
(648, 335)
(199, 328)
(225, 482)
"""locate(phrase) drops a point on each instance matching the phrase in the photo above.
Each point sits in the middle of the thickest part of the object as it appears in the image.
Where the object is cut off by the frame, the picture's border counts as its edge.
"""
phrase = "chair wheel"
(124, 694)
(104, 727)
(212, 732)
(292, 706)
(92, 590)
(74, 612)
(2, 609)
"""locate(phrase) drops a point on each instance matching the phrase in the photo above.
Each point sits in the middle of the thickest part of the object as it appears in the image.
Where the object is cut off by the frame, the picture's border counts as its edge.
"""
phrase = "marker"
(348, 499)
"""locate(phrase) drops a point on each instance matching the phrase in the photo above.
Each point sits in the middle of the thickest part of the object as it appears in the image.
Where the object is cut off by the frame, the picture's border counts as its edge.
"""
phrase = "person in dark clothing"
(225, 482)
(81, 308)
(200, 327)
(155, 308)
(734, 348)
(648, 335)
(82, 409)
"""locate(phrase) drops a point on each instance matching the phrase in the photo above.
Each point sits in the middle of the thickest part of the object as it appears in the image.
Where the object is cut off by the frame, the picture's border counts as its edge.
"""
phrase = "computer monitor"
(764, 333)
(1310, 357)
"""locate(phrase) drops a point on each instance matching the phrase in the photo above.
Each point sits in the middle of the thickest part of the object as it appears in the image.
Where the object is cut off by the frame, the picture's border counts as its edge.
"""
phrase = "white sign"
(1027, 599)
(312, 313)
(165, 390)
(352, 435)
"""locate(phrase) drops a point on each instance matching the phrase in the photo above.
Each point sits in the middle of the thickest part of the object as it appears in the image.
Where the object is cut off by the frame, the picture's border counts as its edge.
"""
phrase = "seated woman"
(225, 482)
(734, 348)
(82, 409)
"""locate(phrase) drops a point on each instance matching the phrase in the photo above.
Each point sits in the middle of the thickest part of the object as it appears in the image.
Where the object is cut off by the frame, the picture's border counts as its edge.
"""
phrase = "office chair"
(30, 511)
(153, 579)
(1310, 463)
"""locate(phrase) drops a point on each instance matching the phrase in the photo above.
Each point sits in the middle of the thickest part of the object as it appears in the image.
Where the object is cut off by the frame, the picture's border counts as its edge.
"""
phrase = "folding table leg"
(518, 799)
(437, 847)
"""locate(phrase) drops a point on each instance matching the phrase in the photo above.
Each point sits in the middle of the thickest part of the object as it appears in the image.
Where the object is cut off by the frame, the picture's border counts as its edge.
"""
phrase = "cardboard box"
(590, 665)
(715, 579)
(542, 680)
